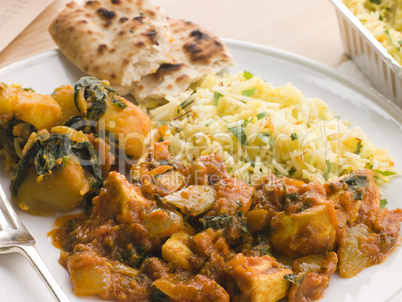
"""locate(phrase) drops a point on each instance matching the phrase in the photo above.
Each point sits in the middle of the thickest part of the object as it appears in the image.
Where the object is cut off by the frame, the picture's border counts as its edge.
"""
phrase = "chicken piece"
(312, 276)
(155, 268)
(287, 195)
(193, 200)
(233, 198)
(356, 198)
(92, 274)
(176, 250)
(120, 200)
(312, 231)
(158, 173)
(259, 278)
(162, 223)
(208, 170)
(197, 289)
(363, 247)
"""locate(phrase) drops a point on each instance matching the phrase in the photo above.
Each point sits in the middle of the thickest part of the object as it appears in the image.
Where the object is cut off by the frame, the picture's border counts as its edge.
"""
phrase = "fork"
(15, 238)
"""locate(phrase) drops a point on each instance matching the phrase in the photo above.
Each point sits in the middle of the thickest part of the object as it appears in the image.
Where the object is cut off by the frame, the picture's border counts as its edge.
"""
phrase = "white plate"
(378, 117)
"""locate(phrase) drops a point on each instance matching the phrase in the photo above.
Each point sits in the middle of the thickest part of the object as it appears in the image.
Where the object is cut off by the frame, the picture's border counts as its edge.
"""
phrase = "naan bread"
(195, 52)
(116, 40)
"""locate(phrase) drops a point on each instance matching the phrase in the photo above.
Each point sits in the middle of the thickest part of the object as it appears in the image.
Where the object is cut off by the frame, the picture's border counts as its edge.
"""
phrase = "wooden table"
(308, 28)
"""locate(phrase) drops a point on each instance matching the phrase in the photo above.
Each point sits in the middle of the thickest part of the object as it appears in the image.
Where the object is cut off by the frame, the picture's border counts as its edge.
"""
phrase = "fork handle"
(32, 255)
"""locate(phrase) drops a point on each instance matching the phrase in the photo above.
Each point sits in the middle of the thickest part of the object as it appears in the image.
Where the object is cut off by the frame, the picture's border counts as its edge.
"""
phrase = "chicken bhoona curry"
(197, 234)
(171, 231)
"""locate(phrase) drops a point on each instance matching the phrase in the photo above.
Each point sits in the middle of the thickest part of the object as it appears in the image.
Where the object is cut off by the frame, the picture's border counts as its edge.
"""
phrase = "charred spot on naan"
(201, 47)
(166, 69)
(151, 35)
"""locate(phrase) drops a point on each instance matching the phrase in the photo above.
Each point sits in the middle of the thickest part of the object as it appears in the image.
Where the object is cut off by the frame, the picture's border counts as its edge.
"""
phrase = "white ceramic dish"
(369, 55)
(378, 117)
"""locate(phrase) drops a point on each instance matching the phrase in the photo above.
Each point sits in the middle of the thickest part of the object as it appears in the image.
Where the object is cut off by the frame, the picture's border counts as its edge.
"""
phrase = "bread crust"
(115, 40)
(195, 52)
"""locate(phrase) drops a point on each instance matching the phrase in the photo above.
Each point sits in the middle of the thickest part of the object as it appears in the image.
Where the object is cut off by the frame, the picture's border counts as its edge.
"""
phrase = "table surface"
(307, 28)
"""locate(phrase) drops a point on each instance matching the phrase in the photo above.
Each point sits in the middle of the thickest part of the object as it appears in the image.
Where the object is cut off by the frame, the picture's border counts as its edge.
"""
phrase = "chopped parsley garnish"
(386, 31)
(252, 162)
(329, 166)
(217, 222)
(383, 203)
(247, 121)
(238, 132)
(358, 148)
(376, 1)
(209, 123)
(293, 278)
(250, 92)
(385, 173)
(261, 115)
(293, 136)
(264, 137)
(157, 198)
(247, 74)
(185, 103)
(217, 96)
(119, 103)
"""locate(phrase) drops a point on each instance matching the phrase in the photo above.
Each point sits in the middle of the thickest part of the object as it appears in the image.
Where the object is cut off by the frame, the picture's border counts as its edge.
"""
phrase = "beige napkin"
(16, 15)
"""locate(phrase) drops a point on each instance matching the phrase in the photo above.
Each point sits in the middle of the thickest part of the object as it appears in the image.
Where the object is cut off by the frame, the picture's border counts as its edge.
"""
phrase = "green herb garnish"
(250, 92)
(217, 96)
(358, 148)
(385, 173)
(119, 103)
(329, 166)
(383, 203)
(185, 103)
(209, 123)
(265, 137)
(293, 136)
(262, 115)
(252, 162)
(386, 31)
(238, 132)
(247, 74)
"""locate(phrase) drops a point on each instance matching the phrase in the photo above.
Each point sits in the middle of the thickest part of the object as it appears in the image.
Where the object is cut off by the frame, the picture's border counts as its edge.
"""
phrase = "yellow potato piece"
(129, 126)
(64, 96)
(42, 111)
(60, 191)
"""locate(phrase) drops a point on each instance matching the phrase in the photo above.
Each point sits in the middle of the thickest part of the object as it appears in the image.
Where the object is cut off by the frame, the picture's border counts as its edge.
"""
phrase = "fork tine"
(10, 211)
(3, 221)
